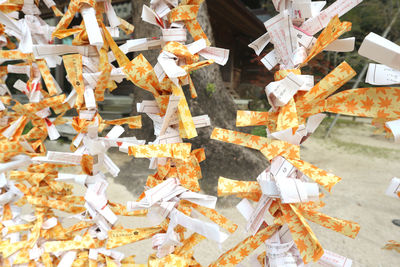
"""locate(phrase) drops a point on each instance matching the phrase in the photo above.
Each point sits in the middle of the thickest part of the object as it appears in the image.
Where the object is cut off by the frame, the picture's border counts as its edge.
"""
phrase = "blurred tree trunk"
(142, 30)
(222, 159)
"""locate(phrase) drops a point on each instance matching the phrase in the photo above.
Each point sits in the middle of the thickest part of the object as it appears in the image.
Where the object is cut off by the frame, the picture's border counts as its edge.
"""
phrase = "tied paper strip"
(379, 74)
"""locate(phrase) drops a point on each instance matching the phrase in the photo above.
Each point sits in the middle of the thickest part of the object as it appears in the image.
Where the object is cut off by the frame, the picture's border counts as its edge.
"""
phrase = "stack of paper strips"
(289, 190)
(31, 175)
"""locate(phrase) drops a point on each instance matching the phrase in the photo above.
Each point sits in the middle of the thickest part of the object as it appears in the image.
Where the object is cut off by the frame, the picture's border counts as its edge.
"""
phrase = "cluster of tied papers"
(180, 217)
(288, 194)
(276, 206)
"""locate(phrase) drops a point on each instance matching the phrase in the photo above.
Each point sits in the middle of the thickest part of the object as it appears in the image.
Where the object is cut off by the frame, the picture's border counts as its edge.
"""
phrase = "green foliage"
(27, 128)
(210, 89)
(259, 130)
(369, 16)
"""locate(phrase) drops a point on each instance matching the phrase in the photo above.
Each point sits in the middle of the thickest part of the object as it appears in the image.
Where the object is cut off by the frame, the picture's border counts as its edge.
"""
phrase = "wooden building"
(234, 27)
